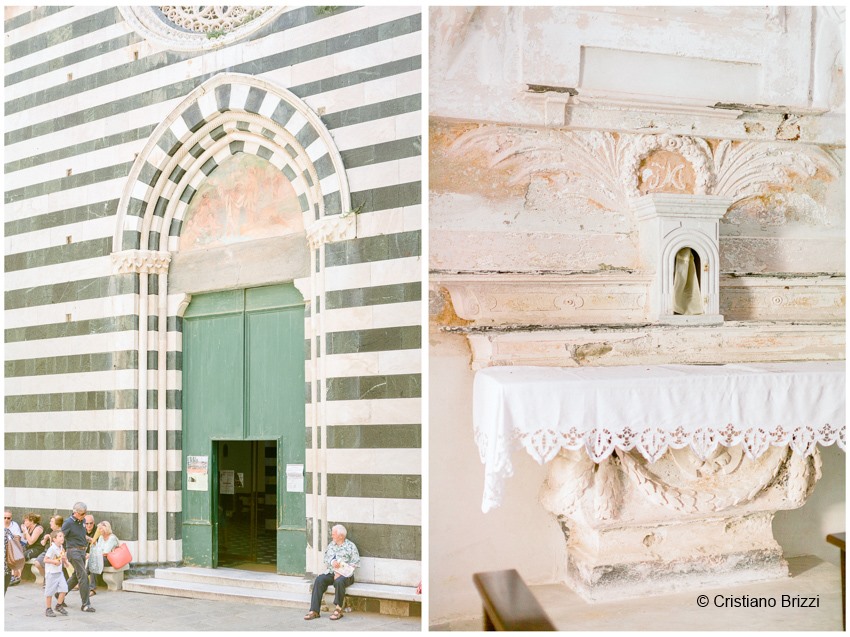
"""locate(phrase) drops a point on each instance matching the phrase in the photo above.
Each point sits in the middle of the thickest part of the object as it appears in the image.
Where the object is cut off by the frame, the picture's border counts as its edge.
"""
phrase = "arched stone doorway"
(230, 115)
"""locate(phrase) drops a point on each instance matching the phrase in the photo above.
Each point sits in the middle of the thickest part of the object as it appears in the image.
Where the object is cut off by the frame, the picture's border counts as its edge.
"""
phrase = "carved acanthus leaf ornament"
(332, 228)
(606, 167)
(590, 160)
(572, 474)
(748, 168)
(141, 261)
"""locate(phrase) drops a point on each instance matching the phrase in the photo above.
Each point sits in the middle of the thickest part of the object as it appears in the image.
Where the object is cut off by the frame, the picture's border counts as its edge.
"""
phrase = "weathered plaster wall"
(534, 114)
(462, 539)
(803, 531)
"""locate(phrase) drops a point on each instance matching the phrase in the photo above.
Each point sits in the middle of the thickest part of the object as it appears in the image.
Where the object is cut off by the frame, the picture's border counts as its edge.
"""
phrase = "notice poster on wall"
(226, 481)
(295, 478)
(197, 473)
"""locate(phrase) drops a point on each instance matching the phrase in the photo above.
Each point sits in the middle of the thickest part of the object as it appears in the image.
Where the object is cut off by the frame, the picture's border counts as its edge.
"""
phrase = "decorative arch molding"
(228, 114)
(225, 116)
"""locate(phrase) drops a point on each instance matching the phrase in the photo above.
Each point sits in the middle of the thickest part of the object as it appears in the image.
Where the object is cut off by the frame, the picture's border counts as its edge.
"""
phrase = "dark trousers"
(321, 585)
(77, 557)
(6, 579)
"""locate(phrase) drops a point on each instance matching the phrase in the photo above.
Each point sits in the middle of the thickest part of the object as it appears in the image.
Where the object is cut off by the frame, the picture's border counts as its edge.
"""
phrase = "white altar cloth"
(651, 408)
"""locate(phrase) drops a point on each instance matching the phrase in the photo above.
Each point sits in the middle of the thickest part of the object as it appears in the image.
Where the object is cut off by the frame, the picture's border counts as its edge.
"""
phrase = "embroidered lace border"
(652, 443)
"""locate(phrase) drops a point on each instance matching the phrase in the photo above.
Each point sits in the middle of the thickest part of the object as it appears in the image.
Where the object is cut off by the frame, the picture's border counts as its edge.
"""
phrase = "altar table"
(651, 408)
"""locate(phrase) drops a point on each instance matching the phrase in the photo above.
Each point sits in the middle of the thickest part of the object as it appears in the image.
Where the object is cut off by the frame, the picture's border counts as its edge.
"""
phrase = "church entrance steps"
(225, 584)
(236, 577)
(269, 588)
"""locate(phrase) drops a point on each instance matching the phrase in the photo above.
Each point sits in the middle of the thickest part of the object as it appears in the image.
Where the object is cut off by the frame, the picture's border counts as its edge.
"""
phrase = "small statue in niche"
(687, 298)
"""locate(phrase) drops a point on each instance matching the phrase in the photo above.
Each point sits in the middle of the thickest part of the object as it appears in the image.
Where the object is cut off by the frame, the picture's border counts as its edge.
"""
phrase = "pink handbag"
(119, 557)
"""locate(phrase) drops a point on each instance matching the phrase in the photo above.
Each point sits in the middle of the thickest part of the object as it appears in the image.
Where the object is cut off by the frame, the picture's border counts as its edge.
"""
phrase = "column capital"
(331, 229)
(141, 261)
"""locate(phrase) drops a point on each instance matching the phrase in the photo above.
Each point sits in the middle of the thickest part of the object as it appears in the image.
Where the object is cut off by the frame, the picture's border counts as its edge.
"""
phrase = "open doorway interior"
(247, 504)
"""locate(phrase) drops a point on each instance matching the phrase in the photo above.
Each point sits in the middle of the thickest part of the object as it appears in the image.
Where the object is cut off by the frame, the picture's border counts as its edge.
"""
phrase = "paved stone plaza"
(120, 611)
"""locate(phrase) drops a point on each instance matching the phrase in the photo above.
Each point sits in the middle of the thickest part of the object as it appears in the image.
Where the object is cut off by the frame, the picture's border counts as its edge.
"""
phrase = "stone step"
(201, 590)
(262, 588)
(234, 577)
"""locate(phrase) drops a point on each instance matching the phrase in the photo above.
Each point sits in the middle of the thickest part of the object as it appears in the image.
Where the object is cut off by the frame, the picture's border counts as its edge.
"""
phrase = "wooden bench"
(508, 602)
(114, 577)
(840, 540)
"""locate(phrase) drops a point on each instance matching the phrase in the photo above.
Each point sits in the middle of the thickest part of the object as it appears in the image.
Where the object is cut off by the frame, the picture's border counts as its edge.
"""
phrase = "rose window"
(197, 28)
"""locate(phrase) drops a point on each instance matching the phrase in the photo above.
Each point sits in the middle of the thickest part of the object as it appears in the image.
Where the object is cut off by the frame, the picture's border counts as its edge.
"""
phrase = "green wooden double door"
(243, 424)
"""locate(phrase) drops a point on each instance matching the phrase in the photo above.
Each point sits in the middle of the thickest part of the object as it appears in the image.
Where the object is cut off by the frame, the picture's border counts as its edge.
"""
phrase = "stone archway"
(227, 115)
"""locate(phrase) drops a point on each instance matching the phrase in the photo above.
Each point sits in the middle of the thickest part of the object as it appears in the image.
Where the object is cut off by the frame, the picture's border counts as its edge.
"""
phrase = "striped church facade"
(109, 135)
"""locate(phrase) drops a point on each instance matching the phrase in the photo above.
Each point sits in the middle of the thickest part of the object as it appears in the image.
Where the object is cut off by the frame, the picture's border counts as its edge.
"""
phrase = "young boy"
(54, 581)
(55, 525)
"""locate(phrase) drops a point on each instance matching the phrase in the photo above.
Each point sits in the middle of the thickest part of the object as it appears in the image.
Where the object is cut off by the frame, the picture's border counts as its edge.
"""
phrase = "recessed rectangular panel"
(213, 381)
(652, 74)
(275, 368)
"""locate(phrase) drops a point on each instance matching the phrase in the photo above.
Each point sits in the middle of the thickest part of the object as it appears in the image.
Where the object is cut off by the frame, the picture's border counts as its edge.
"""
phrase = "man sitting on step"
(341, 558)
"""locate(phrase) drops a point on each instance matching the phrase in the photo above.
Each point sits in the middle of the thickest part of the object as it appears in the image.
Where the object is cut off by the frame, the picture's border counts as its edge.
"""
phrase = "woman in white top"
(106, 542)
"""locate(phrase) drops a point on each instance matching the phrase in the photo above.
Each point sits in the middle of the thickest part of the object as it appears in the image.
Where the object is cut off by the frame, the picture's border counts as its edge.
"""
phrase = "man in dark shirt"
(76, 542)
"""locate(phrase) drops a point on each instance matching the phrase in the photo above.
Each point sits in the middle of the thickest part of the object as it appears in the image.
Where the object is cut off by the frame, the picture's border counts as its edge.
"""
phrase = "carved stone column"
(634, 528)
(144, 263)
(319, 233)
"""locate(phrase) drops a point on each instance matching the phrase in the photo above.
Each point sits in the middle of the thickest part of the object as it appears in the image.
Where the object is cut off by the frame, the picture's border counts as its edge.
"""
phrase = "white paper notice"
(197, 478)
(295, 478)
(225, 482)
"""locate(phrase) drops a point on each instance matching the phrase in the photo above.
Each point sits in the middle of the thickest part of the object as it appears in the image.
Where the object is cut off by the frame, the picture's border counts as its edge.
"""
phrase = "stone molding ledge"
(561, 107)
(619, 297)
(548, 299)
(735, 342)
(813, 298)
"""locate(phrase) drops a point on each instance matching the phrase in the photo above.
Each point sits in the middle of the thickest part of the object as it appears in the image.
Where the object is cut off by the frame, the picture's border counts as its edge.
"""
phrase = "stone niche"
(670, 226)
(635, 528)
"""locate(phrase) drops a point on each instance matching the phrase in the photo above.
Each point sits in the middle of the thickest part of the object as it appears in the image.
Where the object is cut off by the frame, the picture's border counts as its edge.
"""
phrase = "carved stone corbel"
(331, 229)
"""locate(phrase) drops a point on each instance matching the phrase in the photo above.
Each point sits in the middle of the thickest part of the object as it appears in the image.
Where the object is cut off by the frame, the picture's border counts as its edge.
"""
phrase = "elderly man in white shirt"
(341, 558)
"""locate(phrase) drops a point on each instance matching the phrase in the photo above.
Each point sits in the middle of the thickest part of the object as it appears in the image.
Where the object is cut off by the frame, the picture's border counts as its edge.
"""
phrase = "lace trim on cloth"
(652, 443)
